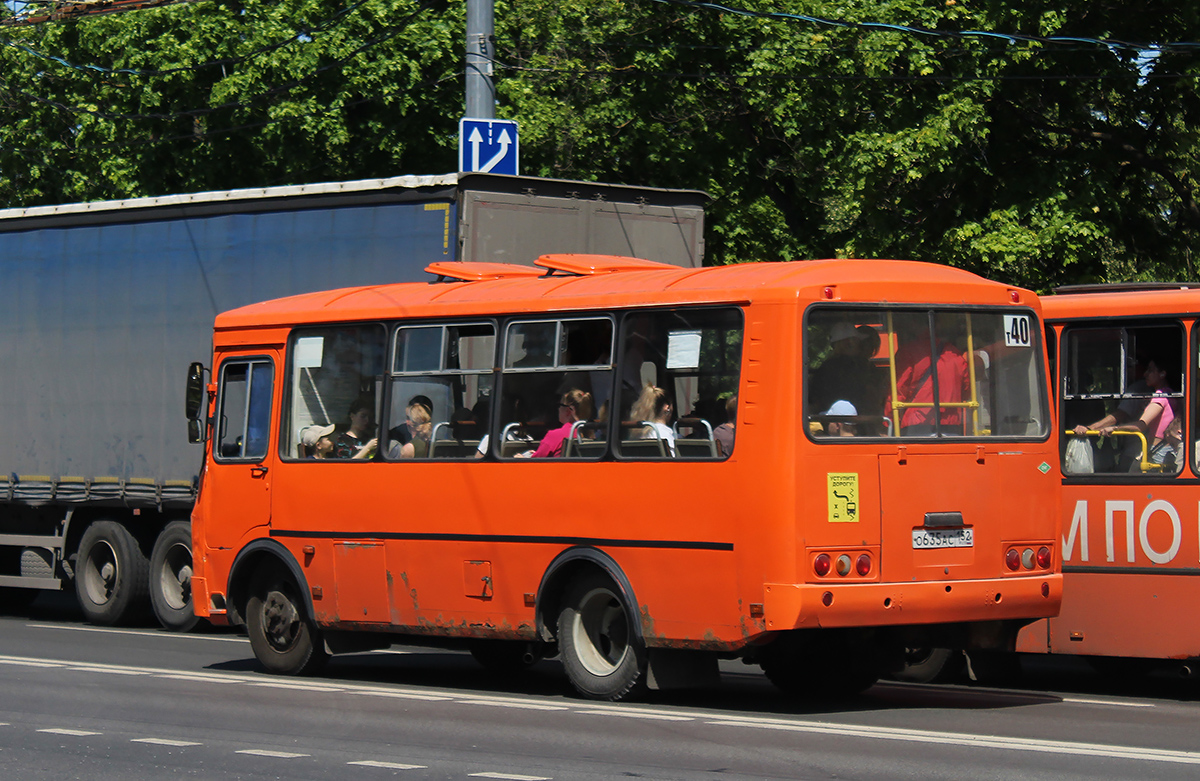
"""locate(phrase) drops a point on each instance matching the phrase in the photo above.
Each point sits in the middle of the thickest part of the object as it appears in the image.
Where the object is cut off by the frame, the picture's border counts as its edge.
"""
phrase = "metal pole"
(481, 93)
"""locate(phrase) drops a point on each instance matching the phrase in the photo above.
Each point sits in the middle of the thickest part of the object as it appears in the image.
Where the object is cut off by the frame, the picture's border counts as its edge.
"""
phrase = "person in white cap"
(841, 422)
(316, 440)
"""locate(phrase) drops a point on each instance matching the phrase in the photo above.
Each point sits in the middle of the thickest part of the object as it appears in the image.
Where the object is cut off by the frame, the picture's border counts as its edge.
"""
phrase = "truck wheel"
(171, 578)
(597, 643)
(283, 636)
(111, 575)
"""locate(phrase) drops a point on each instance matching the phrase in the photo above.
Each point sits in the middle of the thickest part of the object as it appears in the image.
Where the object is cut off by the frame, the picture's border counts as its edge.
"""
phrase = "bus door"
(239, 474)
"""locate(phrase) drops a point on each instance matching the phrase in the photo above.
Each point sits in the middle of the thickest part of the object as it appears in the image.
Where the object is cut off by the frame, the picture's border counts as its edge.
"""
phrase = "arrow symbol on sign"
(504, 141)
(476, 139)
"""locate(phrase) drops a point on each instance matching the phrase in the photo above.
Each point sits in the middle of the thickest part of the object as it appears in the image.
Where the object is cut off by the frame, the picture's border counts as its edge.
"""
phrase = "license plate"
(943, 538)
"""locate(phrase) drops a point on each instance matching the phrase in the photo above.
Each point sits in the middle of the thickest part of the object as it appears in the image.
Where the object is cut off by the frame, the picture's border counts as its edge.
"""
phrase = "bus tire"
(929, 665)
(282, 634)
(111, 575)
(171, 578)
(597, 643)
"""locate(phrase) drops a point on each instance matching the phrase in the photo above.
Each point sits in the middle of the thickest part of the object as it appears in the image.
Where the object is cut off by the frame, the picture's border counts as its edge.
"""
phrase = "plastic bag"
(1079, 457)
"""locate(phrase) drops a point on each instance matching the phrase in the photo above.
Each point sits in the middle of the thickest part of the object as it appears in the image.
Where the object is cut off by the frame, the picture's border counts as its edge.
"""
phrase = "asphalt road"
(91, 703)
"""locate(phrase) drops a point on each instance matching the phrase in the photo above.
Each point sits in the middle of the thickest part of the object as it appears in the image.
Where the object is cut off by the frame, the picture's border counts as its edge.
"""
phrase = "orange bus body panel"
(718, 553)
(1131, 544)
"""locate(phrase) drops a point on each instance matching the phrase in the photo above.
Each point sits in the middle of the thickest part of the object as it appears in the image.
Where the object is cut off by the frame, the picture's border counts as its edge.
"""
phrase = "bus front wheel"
(284, 638)
(597, 643)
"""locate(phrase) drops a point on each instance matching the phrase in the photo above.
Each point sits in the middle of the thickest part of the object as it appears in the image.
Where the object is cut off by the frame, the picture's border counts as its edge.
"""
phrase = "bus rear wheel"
(283, 636)
(111, 575)
(171, 578)
(597, 642)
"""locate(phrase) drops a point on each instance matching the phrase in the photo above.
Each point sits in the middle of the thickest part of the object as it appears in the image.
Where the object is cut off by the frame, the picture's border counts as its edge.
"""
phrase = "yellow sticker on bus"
(843, 497)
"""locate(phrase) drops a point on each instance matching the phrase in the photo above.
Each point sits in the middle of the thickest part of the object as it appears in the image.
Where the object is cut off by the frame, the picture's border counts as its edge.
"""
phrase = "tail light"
(843, 565)
(863, 565)
(1013, 559)
(1027, 558)
(1043, 557)
(822, 564)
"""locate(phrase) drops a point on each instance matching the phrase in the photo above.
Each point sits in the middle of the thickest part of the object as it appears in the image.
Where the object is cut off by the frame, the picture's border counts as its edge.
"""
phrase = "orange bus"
(1130, 483)
(644, 469)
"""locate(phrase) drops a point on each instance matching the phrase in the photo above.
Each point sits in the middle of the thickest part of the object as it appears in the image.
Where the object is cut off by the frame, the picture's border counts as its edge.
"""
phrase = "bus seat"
(453, 448)
(643, 448)
(695, 448)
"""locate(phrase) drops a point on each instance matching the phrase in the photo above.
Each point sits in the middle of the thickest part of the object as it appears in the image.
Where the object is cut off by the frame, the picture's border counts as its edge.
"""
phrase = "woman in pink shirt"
(1156, 418)
(574, 406)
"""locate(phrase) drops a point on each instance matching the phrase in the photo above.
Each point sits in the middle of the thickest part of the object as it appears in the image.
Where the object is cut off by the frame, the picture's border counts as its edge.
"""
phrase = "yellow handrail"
(1147, 464)
(900, 406)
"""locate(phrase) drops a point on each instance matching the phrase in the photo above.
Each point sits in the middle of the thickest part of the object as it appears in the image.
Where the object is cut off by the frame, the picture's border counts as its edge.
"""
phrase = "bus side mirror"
(194, 402)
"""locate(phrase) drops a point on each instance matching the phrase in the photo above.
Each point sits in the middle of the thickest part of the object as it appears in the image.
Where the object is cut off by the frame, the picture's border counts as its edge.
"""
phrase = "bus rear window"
(923, 373)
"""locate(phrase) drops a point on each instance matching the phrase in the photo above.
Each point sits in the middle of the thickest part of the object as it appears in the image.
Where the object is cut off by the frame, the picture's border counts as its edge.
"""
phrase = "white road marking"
(633, 714)
(105, 670)
(75, 733)
(27, 663)
(143, 633)
(196, 677)
(518, 705)
(401, 695)
(387, 765)
(308, 687)
(509, 777)
(166, 742)
(259, 752)
(625, 711)
(974, 741)
(1113, 703)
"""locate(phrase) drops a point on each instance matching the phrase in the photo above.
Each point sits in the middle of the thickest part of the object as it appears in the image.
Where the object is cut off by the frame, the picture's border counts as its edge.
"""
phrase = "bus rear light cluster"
(1017, 558)
(843, 565)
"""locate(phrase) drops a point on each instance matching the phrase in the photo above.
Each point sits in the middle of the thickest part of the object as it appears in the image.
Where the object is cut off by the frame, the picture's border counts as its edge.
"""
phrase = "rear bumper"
(803, 605)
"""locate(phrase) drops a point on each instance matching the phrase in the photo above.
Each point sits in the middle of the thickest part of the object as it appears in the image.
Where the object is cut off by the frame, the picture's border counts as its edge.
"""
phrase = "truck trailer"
(105, 305)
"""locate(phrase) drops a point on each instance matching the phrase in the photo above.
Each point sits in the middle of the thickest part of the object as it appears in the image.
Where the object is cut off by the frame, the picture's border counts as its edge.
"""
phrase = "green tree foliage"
(1037, 162)
(201, 96)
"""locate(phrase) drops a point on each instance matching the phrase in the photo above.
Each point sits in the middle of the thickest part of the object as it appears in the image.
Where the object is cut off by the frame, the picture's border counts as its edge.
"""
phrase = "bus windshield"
(870, 373)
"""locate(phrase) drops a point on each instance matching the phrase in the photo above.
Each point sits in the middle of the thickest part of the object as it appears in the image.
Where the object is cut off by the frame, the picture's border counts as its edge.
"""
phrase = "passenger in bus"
(654, 408)
(840, 420)
(914, 382)
(847, 373)
(1153, 420)
(401, 433)
(420, 426)
(723, 434)
(354, 442)
(575, 405)
(317, 441)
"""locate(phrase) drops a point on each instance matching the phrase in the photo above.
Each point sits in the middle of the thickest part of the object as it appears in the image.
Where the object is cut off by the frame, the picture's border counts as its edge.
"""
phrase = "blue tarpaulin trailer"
(104, 305)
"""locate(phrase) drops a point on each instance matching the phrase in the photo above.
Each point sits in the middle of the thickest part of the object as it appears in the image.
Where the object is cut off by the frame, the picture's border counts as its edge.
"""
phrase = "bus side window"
(443, 373)
(332, 372)
(677, 383)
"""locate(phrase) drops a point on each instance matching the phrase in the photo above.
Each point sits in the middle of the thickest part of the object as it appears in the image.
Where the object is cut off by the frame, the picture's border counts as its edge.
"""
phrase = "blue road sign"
(488, 146)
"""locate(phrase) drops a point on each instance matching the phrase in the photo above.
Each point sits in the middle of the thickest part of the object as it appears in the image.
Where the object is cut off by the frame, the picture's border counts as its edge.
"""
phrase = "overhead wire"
(924, 31)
